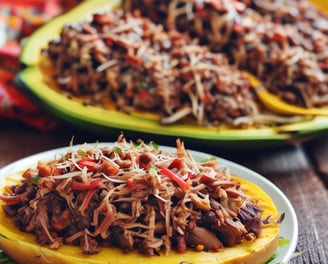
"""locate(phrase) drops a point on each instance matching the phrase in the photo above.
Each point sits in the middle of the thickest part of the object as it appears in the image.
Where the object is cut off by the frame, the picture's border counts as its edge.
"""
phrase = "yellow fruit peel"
(275, 104)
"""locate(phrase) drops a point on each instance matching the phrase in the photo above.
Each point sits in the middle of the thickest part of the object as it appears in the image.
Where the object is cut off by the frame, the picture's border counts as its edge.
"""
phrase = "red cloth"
(18, 19)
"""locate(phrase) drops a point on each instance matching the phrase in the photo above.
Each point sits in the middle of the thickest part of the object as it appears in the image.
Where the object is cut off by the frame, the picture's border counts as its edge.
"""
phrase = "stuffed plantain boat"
(135, 203)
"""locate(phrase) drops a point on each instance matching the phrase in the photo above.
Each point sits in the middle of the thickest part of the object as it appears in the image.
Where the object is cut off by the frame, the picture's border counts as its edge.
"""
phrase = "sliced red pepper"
(135, 184)
(86, 201)
(184, 185)
(109, 41)
(277, 35)
(191, 175)
(207, 98)
(90, 164)
(86, 186)
(131, 184)
(134, 60)
(176, 163)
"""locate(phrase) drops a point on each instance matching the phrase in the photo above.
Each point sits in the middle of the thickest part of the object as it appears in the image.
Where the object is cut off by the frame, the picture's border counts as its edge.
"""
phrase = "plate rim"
(280, 200)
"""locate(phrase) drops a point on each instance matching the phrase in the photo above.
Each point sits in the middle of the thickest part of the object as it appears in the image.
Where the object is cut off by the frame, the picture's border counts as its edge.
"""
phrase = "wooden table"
(301, 172)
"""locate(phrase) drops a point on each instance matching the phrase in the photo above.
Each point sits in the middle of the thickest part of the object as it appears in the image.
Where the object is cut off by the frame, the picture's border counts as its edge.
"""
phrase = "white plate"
(288, 228)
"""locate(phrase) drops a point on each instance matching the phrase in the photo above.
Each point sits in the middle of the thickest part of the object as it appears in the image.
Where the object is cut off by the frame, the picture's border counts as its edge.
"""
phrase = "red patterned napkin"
(18, 19)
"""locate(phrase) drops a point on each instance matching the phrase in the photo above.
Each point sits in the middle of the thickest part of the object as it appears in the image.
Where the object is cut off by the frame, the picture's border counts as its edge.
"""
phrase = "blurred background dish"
(102, 120)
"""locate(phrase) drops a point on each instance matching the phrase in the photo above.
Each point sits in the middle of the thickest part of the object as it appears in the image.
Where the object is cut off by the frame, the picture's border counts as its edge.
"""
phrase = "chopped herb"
(4, 259)
(152, 171)
(118, 150)
(283, 242)
(209, 159)
(271, 259)
(143, 85)
(35, 179)
(135, 144)
(96, 144)
(154, 145)
(82, 153)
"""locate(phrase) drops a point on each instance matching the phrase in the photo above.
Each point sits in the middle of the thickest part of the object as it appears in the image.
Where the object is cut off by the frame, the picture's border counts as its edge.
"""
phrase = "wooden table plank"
(305, 190)
(318, 151)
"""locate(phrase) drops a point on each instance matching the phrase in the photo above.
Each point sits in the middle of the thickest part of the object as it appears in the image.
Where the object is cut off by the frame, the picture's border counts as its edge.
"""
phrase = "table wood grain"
(300, 171)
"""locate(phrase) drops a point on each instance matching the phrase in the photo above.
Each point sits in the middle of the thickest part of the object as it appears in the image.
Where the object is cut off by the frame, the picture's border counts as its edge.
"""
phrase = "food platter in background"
(105, 121)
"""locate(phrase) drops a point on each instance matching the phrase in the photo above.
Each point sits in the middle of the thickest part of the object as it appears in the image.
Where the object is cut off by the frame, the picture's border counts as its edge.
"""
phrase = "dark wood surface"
(301, 172)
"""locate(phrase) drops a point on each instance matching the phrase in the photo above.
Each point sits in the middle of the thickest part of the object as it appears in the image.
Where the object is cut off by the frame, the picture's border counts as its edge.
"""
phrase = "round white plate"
(288, 228)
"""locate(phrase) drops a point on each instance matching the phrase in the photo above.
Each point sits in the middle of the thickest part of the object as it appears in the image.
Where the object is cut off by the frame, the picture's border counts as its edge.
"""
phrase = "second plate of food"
(269, 129)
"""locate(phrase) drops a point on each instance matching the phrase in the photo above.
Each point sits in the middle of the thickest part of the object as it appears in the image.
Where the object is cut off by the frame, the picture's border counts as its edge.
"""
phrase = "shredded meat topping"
(283, 42)
(161, 201)
(136, 64)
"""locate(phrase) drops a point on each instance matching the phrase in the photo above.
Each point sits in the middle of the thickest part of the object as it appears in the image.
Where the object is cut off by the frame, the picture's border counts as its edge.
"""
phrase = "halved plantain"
(104, 121)
(22, 248)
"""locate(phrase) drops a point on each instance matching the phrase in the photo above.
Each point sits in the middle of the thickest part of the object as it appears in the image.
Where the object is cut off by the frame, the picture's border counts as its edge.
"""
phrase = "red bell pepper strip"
(176, 163)
(136, 184)
(184, 185)
(207, 98)
(88, 163)
(191, 175)
(131, 184)
(86, 201)
(86, 186)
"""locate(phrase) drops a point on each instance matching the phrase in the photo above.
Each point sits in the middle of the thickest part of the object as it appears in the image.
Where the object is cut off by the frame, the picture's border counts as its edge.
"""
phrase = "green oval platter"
(102, 121)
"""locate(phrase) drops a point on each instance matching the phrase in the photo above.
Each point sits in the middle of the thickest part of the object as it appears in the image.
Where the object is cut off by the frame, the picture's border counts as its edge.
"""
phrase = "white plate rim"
(288, 228)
